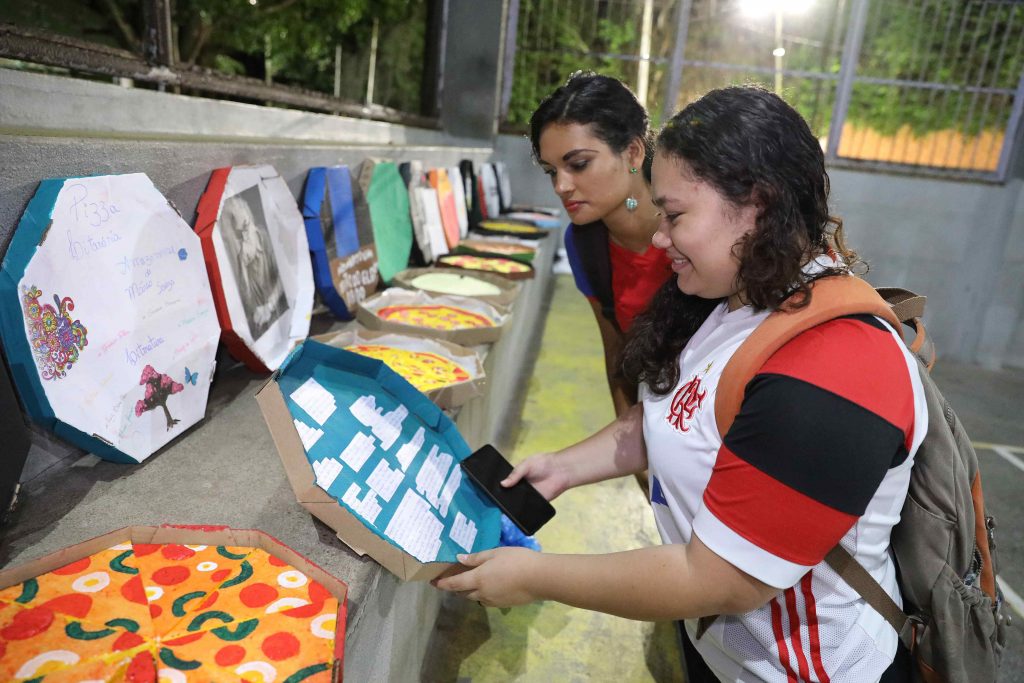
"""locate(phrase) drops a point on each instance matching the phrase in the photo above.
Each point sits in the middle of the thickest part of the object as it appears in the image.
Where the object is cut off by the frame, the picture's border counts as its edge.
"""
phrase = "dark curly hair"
(751, 147)
(605, 104)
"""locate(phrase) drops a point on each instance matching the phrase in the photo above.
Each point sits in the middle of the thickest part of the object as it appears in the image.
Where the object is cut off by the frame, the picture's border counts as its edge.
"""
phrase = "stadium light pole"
(760, 8)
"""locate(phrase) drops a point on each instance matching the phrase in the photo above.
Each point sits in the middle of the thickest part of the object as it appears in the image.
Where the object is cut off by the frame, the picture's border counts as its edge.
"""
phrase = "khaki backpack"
(955, 621)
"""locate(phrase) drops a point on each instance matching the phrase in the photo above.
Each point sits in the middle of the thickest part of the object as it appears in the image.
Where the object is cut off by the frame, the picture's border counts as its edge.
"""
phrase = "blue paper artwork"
(386, 453)
(340, 235)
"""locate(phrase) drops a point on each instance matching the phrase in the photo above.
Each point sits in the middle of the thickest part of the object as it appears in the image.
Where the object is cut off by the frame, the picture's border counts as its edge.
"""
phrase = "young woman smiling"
(819, 454)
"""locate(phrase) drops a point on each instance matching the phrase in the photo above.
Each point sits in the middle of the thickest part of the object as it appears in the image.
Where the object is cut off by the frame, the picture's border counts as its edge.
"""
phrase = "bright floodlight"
(779, 52)
(764, 7)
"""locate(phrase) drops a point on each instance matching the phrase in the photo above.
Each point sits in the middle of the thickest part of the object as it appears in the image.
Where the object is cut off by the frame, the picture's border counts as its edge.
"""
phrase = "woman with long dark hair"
(818, 455)
(591, 137)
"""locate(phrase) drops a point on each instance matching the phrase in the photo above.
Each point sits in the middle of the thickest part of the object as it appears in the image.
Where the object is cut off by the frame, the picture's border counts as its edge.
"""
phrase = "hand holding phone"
(521, 502)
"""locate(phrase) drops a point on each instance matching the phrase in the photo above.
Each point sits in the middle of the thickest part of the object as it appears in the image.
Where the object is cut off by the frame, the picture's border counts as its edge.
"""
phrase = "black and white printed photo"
(246, 238)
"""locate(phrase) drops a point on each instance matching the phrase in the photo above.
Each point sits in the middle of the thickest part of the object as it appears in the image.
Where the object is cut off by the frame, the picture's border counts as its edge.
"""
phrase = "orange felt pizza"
(143, 613)
(425, 371)
(435, 317)
(509, 268)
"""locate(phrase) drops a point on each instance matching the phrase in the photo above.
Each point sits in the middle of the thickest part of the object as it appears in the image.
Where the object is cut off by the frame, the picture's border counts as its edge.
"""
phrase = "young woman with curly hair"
(819, 454)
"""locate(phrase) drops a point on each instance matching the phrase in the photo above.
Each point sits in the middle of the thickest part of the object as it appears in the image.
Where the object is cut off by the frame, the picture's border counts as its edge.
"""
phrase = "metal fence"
(933, 87)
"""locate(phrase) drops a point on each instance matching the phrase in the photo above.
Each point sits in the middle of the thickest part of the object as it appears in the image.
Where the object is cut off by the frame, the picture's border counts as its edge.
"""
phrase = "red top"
(635, 279)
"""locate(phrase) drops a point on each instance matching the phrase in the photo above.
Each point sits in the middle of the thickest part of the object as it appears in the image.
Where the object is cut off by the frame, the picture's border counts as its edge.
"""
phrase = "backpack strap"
(831, 297)
(853, 573)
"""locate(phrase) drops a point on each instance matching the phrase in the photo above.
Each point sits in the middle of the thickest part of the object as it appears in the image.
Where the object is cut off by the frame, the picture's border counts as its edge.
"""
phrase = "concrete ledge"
(225, 470)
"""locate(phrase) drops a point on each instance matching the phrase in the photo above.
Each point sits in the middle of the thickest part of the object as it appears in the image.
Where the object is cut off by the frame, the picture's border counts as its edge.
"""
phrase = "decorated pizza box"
(446, 373)
(340, 237)
(478, 263)
(461, 204)
(388, 198)
(107, 317)
(438, 178)
(377, 461)
(257, 254)
(458, 319)
(494, 289)
(176, 603)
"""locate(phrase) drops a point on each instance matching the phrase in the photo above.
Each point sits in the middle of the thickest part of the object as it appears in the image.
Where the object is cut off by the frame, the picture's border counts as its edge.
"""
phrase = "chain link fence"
(925, 86)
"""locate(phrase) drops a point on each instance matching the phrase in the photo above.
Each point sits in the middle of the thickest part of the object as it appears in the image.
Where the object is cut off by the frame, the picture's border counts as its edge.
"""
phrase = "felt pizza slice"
(99, 592)
(181, 580)
(425, 371)
(436, 317)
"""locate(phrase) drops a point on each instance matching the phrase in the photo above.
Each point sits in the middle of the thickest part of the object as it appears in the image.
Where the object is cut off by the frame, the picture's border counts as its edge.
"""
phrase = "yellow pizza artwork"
(144, 613)
(425, 371)
(507, 248)
(493, 265)
(510, 227)
(435, 317)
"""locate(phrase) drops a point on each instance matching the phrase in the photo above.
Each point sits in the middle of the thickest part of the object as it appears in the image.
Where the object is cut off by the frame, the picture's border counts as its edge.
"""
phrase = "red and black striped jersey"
(820, 453)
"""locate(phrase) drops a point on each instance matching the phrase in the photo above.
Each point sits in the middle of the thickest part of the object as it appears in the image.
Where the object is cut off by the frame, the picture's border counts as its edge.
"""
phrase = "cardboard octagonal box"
(107, 316)
(257, 254)
(375, 460)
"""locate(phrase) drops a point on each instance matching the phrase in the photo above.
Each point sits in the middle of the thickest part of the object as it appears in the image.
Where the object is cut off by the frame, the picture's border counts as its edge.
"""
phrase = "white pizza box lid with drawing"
(256, 251)
(107, 316)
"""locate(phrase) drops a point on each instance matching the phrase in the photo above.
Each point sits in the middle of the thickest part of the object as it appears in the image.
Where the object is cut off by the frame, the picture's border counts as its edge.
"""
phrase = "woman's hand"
(544, 472)
(495, 578)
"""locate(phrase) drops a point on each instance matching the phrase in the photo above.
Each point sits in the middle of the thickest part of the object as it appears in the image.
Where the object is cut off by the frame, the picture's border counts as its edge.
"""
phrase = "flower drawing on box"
(55, 338)
(158, 389)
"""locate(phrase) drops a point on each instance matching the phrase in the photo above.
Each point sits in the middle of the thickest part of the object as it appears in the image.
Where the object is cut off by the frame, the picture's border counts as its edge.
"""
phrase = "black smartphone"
(522, 503)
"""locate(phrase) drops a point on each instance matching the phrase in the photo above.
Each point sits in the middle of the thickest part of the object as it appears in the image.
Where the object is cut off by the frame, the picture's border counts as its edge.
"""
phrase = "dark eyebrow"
(659, 201)
(571, 154)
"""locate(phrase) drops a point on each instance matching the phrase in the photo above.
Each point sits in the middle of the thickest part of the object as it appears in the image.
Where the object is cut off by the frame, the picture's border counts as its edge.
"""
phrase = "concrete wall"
(961, 244)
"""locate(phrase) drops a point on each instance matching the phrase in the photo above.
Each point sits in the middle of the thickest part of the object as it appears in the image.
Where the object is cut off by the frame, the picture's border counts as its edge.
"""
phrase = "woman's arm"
(652, 584)
(615, 451)
(623, 392)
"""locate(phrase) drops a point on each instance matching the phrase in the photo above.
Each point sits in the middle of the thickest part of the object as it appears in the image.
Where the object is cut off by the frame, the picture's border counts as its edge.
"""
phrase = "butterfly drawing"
(190, 377)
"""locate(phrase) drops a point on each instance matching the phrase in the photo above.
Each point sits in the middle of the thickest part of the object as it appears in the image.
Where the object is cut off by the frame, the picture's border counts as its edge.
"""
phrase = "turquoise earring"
(631, 202)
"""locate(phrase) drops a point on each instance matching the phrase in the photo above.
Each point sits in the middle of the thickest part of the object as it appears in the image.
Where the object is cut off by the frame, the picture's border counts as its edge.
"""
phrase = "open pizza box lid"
(340, 237)
(489, 319)
(106, 315)
(377, 461)
(446, 397)
(257, 254)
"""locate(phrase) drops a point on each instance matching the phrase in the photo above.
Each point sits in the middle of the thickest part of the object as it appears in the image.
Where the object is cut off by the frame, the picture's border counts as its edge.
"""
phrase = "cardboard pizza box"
(368, 310)
(273, 398)
(446, 397)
